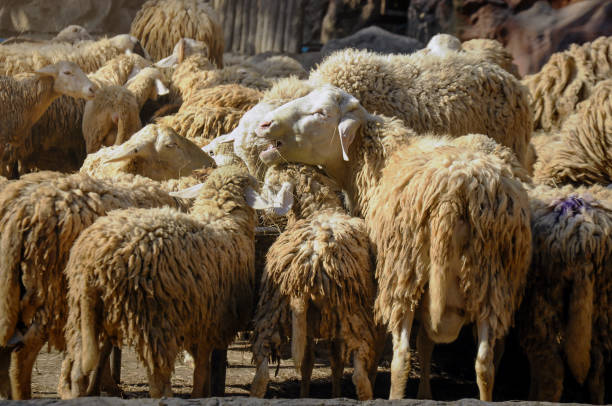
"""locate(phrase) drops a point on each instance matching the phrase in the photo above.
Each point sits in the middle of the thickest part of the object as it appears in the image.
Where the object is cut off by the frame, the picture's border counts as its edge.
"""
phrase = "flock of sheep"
(435, 187)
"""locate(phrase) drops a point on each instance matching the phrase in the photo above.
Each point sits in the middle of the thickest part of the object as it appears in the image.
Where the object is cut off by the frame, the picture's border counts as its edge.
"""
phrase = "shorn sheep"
(24, 99)
(431, 209)
(454, 95)
(565, 316)
(155, 151)
(165, 281)
(41, 215)
(318, 282)
(567, 79)
(89, 55)
(160, 24)
(581, 153)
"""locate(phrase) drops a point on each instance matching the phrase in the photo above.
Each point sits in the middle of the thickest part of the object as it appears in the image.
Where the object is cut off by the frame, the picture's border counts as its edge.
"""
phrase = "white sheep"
(167, 281)
(318, 282)
(426, 202)
(41, 215)
(25, 98)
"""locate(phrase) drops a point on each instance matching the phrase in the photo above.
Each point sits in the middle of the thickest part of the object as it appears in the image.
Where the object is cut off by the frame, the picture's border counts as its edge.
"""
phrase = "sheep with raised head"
(567, 79)
(155, 151)
(193, 271)
(160, 24)
(318, 282)
(454, 201)
(581, 153)
(454, 95)
(41, 215)
(565, 317)
(89, 55)
(24, 99)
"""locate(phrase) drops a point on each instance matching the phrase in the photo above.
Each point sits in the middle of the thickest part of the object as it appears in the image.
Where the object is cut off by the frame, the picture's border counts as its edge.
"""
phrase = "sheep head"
(167, 154)
(129, 44)
(184, 48)
(69, 79)
(317, 129)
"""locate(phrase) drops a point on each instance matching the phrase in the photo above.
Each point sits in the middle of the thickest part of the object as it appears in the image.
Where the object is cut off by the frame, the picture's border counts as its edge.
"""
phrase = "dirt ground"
(452, 375)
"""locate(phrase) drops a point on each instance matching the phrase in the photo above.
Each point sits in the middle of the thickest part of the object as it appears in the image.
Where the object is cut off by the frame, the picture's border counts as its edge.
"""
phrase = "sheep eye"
(170, 145)
(319, 113)
(67, 73)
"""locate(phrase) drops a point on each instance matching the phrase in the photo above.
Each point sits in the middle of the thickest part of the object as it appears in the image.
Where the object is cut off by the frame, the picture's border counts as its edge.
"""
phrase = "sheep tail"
(579, 330)
(442, 227)
(299, 330)
(89, 338)
(10, 292)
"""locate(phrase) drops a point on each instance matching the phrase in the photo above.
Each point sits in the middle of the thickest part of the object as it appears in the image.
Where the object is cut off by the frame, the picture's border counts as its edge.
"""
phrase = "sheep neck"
(39, 100)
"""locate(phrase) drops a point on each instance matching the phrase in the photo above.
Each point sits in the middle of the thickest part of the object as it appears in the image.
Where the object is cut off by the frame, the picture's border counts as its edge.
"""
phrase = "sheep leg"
(400, 366)
(159, 380)
(5, 364)
(97, 375)
(306, 367)
(261, 379)
(337, 366)
(425, 347)
(361, 380)
(595, 378)
(115, 364)
(485, 370)
(218, 367)
(547, 370)
(201, 372)
(63, 387)
(22, 362)
(381, 339)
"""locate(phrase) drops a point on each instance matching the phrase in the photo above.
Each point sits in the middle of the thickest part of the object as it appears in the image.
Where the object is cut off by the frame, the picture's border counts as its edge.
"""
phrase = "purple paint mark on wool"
(571, 205)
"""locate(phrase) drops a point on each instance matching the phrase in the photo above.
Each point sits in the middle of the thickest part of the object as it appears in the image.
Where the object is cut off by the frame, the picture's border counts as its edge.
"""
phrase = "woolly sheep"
(161, 24)
(471, 200)
(567, 79)
(41, 215)
(25, 98)
(155, 151)
(320, 263)
(565, 316)
(494, 52)
(200, 123)
(199, 268)
(436, 94)
(89, 55)
(232, 95)
(582, 152)
(70, 34)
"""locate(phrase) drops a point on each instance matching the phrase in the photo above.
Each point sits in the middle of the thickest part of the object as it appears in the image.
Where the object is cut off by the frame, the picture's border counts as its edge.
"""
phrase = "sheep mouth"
(272, 152)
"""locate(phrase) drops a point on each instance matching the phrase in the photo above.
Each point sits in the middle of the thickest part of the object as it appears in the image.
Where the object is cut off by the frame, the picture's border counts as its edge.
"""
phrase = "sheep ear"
(347, 128)
(167, 62)
(189, 193)
(160, 88)
(135, 71)
(255, 200)
(49, 70)
(283, 200)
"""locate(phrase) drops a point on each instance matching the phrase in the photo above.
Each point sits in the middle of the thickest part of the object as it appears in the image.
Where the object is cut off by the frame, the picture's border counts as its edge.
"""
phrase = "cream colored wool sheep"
(206, 122)
(89, 55)
(494, 52)
(455, 95)
(160, 24)
(195, 272)
(70, 34)
(41, 215)
(320, 264)
(565, 316)
(221, 149)
(422, 192)
(24, 99)
(118, 70)
(232, 95)
(156, 152)
(567, 79)
(582, 152)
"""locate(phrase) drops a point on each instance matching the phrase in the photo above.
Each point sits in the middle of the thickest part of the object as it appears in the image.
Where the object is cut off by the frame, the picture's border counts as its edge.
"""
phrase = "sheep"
(456, 94)
(24, 99)
(183, 19)
(200, 123)
(193, 271)
(89, 55)
(320, 264)
(565, 316)
(155, 151)
(71, 34)
(277, 66)
(221, 149)
(567, 79)
(582, 152)
(494, 52)
(41, 215)
(405, 185)
(231, 95)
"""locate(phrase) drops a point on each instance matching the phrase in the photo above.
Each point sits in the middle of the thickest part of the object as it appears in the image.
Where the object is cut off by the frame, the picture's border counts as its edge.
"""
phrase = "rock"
(534, 34)
(427, 18)
(374, 39)
(344, 17)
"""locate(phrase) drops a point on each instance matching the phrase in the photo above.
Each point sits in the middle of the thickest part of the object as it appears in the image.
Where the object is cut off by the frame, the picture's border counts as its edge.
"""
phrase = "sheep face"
(316, 129)
(69, 79)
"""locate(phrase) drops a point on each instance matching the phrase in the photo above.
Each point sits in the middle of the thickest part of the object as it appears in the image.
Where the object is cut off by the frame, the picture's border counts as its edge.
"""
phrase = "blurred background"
(310, 29)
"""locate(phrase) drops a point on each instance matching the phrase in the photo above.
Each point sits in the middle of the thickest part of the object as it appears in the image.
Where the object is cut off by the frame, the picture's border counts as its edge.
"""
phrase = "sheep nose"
(265, 125)
(92, 89)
